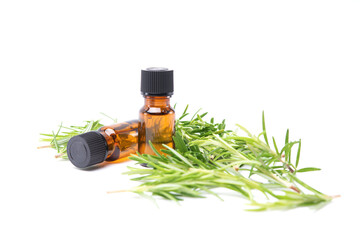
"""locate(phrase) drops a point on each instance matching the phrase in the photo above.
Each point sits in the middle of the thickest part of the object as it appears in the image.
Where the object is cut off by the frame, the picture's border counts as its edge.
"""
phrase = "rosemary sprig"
(59, 140)
(208, 156)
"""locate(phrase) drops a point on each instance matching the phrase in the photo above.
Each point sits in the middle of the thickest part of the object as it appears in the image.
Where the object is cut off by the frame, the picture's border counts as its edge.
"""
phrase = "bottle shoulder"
(157, 110)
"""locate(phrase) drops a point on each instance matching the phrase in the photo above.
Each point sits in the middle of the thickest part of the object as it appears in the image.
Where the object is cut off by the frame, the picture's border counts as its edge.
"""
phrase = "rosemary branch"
(59, 140)
(208, 156)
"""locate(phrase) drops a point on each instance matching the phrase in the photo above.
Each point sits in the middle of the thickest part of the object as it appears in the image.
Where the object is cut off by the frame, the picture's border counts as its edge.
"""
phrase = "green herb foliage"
(207, 156)
(59, 140)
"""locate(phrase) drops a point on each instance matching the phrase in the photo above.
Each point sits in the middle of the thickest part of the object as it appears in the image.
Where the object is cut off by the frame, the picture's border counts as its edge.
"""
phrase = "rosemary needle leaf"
(298, 154)
(113, 119)
(308, 169)
(195, 114)
(287, 137)
(54, 141)
(264, 128)
(179, 143)
(276, 149)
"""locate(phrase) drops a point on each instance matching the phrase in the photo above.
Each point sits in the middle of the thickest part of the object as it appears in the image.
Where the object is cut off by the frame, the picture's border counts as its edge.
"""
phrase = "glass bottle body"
(121, 139)
(157, 124)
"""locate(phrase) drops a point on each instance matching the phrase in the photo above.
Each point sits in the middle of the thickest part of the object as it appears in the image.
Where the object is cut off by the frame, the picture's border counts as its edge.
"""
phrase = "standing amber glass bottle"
(157, 118)
(110, 143)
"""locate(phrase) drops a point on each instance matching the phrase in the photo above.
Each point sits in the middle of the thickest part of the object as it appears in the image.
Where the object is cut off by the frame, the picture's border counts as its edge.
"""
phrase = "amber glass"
(157, 124)
(122, 140)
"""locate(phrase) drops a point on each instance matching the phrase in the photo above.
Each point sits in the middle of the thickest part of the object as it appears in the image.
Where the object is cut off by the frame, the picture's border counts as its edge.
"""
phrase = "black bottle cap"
(157, 81)
(87, 149)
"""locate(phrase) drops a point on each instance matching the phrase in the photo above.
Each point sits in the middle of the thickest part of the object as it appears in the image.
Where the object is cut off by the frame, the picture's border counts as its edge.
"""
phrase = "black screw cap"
(157, 81)
(87, 149)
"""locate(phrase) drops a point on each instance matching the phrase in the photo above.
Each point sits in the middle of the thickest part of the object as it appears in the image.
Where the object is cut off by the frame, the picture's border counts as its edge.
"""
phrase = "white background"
(69, 60)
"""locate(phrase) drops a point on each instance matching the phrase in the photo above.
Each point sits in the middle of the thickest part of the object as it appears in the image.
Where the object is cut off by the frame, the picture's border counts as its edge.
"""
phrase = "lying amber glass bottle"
(110, 143)
(157, 117)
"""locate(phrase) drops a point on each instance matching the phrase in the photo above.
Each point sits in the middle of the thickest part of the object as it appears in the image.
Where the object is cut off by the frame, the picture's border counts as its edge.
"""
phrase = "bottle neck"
(157, 101)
